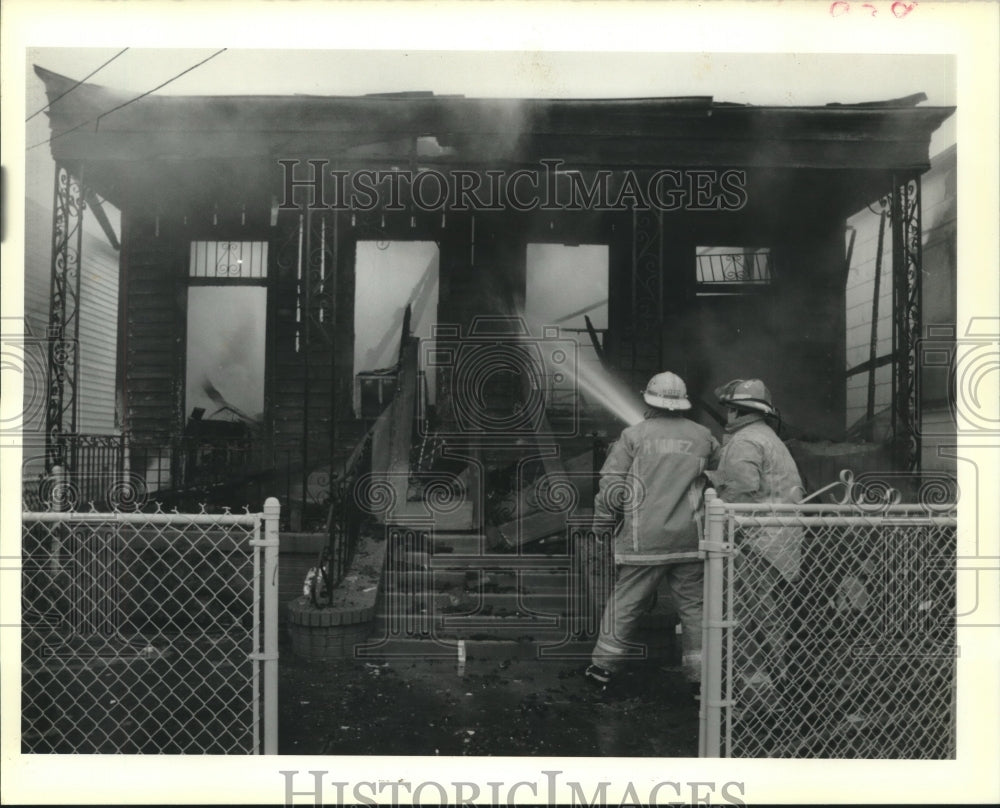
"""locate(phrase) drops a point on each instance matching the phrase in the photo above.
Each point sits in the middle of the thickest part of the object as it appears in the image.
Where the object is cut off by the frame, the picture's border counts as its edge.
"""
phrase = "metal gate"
(853, 657)
(149, 632)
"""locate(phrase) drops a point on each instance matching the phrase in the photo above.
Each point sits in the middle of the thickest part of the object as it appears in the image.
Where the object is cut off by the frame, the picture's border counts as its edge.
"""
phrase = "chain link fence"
(830, 631)
(149, 632)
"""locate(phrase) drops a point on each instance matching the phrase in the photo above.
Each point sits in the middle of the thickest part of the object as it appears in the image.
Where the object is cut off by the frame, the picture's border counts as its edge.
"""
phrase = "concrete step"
(475, 649)
(489, 609)
(501, 561)
(453, 588)
(451, 580)
(496, 626)
(459, 542)
(488, 561)
(466, 601)
(551, 628)
(554, 649)
(441, 535)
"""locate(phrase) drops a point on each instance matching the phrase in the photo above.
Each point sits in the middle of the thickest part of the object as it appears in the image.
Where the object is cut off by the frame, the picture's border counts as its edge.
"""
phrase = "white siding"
(98, 310)
(858, 323)
(98, 335)
(938, 212)
(38, 249)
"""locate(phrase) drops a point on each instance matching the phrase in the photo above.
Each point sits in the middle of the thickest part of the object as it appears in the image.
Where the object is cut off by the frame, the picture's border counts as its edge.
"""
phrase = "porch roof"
(93, 122)
(103, 127)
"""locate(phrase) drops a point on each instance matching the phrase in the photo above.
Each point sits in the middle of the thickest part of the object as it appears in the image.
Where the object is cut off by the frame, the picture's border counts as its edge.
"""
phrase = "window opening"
(732, 270)
(389, 275)
(566, 286)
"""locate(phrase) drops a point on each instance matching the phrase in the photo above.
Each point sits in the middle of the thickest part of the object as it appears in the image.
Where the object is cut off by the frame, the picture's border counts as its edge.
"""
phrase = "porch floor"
(509, 706)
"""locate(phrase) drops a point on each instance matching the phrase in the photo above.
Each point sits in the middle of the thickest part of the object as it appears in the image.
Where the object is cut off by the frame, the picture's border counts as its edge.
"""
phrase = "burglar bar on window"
(733, 266)
(228, 259)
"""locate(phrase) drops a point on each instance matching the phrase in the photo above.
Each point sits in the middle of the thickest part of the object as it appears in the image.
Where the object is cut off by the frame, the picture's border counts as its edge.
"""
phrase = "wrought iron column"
(318, 321)
(305, 290)
(906, 277)
(64, 320)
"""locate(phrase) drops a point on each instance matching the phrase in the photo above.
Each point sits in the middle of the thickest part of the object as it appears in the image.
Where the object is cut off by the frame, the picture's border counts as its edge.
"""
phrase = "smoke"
(564, 283)
(600, 386)
(595, 383)
(225, 344)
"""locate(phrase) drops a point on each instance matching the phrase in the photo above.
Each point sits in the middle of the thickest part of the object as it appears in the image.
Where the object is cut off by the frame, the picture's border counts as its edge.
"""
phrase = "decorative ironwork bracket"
(64, 317)
(906, 294)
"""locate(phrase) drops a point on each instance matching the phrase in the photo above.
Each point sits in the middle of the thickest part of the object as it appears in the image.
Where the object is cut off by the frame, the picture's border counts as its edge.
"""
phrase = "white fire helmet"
(748, 394)
(666, 391)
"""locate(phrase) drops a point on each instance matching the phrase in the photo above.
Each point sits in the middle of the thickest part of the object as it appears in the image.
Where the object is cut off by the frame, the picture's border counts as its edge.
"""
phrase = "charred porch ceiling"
(182, 168)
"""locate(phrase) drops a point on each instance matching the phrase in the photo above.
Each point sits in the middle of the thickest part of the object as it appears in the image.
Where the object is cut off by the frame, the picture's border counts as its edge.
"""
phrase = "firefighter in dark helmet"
(757, 467)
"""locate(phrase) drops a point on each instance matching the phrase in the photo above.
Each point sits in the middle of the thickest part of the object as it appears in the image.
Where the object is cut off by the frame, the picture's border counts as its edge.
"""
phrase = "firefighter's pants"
(634, 590)
(763, 613)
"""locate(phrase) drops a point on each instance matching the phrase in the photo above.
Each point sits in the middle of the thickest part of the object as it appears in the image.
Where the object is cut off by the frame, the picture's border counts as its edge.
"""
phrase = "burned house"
(290, 266)
(430, 314)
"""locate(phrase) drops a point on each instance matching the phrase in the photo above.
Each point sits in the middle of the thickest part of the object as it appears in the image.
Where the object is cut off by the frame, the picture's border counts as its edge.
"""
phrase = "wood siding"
(302, 353)
(154, 328)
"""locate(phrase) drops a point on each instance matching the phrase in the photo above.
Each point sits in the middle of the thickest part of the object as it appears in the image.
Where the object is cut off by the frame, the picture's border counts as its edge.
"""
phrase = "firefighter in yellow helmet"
(654, 476)
(756, 466)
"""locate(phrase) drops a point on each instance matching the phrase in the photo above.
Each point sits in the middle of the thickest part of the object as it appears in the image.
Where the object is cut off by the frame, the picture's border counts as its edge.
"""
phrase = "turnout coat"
(654, 477)
(755, 466)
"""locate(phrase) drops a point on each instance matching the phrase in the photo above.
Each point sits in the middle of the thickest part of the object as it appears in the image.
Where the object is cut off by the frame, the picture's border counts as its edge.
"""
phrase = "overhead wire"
(81, 81)
(124, 104)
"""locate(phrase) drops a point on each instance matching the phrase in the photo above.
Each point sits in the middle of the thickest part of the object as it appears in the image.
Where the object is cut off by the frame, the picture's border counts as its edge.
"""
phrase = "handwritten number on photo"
(899, 9)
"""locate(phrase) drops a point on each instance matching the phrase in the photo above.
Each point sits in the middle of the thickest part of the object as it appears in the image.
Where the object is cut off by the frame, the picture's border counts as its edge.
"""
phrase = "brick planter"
(327, 633)
(332, 632)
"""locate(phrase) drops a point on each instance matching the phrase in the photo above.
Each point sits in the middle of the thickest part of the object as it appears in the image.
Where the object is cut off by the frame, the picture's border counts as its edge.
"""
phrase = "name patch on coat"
(667, 446)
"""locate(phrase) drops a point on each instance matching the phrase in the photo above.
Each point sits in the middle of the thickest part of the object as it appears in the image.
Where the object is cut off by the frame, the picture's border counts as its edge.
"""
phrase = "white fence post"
(713, 550)
(272, 511)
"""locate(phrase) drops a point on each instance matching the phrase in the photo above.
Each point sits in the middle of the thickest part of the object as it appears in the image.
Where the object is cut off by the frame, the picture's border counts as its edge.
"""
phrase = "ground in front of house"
(498, 705)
